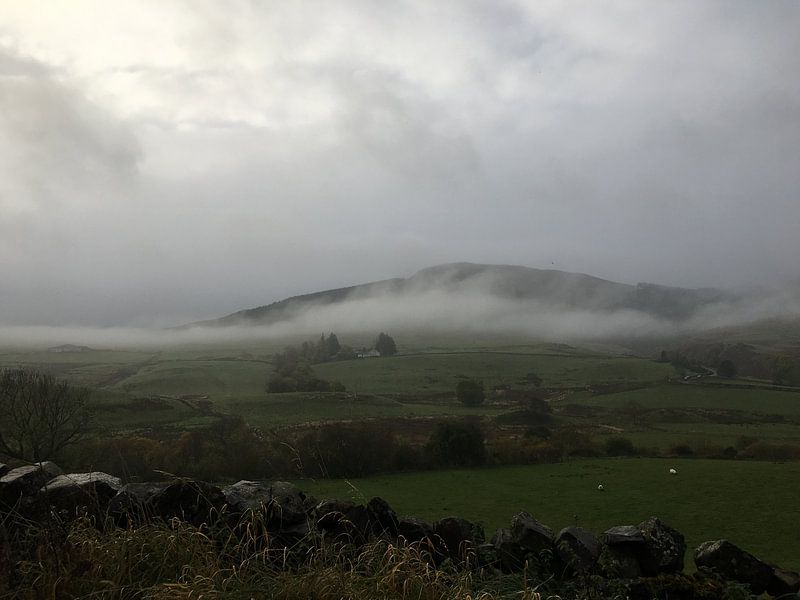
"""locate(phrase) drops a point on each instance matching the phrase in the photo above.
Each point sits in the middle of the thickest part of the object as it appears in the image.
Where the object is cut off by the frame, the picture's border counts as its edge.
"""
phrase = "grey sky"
(170, 161)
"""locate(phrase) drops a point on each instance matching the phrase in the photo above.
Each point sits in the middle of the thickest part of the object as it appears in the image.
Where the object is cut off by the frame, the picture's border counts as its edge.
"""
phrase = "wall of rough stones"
(647, 559)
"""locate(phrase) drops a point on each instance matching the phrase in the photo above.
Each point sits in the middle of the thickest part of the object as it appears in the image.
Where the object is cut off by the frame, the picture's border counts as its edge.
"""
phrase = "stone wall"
(646, 560)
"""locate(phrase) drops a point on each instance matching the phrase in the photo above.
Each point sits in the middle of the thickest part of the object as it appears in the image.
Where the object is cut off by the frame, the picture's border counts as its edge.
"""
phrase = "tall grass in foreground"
(176, 560)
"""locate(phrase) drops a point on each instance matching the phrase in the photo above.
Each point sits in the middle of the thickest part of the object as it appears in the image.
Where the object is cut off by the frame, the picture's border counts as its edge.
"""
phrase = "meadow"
(598, 392)
(753, 504)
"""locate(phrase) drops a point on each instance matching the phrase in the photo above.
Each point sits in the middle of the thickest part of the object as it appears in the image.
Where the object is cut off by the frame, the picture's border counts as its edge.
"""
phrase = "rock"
(619, 562)
(81, 492)
(414, 530)
(26, 481)
(357, 524)
(281, 502)
(578, 548)
(733, 563)
(4, 468)
(133, 501)
(664, 548)
(488, 557)
(457, 538)
(623, 534)
(783, 583)
(384, 519)
(195, 502)
(530, 534)
(510, 554)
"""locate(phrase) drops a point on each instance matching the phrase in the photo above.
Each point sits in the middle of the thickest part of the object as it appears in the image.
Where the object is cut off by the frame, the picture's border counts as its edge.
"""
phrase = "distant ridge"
(546, 286)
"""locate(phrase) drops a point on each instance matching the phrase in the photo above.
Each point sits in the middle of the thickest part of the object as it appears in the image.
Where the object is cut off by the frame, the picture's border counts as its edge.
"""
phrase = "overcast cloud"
(162, 162)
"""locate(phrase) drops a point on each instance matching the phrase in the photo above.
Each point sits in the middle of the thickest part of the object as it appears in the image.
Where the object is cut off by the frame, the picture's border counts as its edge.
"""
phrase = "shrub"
(619, 446)
(348, 451)
(573, 442)
(470, 392)
(766, 451)
(682, 450)
(457, 444)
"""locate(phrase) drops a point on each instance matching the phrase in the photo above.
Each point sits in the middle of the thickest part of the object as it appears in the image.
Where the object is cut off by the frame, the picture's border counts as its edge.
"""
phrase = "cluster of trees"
(324, 350)
(293, 367)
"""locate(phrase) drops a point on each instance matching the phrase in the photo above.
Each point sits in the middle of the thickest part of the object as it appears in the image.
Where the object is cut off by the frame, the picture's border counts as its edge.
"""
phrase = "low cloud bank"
(470, 311)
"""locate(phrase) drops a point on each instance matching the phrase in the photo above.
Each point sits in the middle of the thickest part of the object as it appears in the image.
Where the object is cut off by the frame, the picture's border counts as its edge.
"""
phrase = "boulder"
(783, 583)
(733, 563)
(619, 561)
(384, 519)
(578, 548)
(132, 503)
(414, 530)
(195, 502)
(623, 534)
(457, 538)
(531, 535)
(664, 548)
(281, 502)
(81, 493)
(357, 524)
(510, 555)
(26, 481)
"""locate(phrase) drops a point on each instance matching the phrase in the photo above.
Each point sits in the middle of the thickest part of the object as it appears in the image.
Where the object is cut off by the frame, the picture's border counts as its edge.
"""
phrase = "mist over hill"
(474, 300)
(502, 298)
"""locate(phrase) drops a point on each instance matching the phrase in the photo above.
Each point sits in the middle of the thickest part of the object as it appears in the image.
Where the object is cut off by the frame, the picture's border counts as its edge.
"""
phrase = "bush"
(348, 451)
(470, 392)
(573, 442)
(726, 369)
(619, 446)
(683, 450)
(457, 444)
(766, 451)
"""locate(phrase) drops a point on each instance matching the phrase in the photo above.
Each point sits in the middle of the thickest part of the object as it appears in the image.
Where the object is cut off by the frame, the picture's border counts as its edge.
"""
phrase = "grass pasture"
(753, 504)
(764, 401)
(436, 373)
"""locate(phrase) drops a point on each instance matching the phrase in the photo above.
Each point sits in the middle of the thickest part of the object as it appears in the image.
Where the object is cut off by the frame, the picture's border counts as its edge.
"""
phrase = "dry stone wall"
(647, 559)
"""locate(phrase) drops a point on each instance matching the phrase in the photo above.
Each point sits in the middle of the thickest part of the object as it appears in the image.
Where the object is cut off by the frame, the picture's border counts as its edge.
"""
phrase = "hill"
(546, 287)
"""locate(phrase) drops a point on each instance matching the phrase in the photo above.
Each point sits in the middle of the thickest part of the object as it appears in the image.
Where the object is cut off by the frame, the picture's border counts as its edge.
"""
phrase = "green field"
(440, 372)
(753, 504)
(765, 401)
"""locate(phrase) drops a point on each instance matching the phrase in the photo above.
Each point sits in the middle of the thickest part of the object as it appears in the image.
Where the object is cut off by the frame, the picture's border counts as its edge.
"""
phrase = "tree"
(40, 415)
(470, 392)
(459, 444)
(727, 368)
(781, 367)
(385, 345)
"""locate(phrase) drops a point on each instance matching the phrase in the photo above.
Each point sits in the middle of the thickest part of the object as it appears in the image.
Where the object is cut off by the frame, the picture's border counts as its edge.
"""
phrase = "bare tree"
(39, 415)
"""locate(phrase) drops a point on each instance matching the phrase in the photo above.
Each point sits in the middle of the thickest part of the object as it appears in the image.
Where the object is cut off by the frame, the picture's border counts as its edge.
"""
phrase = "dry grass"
(177, 561)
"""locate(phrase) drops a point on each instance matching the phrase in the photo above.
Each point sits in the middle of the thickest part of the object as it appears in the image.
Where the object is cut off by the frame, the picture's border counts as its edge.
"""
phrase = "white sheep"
(673, 472)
